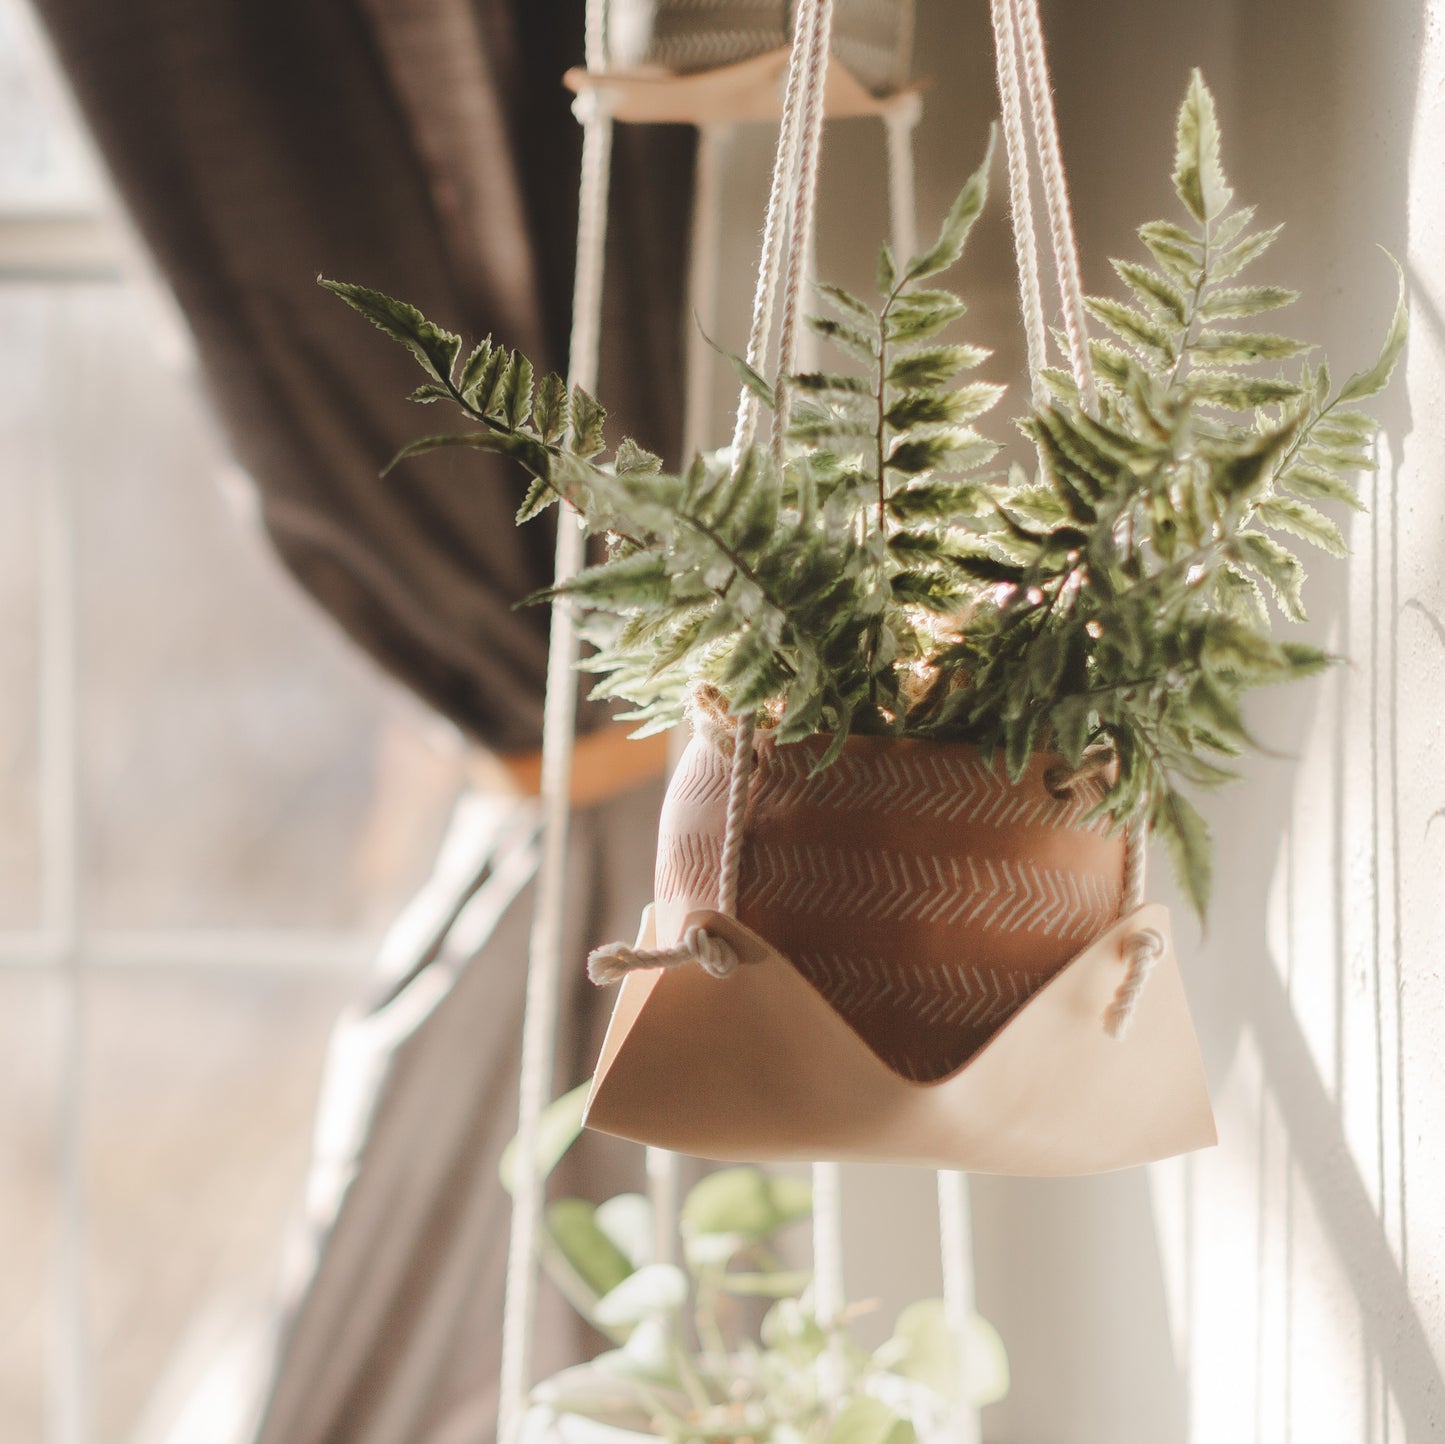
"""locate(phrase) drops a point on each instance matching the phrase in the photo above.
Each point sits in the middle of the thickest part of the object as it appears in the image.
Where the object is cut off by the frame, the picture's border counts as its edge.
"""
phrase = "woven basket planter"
(928, 951)
(871, 37)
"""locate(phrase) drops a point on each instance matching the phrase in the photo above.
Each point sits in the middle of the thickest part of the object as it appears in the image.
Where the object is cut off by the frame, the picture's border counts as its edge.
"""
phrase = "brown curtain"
(424, 147)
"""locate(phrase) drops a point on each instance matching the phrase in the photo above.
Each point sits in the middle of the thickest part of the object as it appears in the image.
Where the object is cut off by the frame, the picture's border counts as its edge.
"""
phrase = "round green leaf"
(656, 1289)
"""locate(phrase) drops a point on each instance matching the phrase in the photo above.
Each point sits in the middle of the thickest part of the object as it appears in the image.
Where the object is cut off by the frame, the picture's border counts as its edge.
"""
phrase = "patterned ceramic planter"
(927, 956)
(919, 891)
(871, 37)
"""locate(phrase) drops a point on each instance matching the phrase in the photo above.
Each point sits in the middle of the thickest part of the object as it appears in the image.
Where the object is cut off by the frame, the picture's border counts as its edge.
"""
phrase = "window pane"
(243, 767)
(24, 447)
(200, 1090)
(28, 1015)
(45, 164)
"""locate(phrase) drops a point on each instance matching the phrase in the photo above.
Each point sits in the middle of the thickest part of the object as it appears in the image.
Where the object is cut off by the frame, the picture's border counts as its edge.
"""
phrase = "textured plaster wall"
(1290, 1284)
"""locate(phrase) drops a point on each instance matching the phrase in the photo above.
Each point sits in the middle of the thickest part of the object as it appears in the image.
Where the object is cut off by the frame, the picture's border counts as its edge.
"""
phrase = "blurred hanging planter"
(684, 1363)
(872, 38)
(939, 696)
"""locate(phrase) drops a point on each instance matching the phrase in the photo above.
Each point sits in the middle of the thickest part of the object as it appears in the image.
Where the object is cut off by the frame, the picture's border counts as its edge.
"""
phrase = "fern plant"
(1113, 602)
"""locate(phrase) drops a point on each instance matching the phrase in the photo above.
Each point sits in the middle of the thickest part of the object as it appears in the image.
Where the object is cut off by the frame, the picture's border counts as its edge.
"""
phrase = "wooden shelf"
(751, 90)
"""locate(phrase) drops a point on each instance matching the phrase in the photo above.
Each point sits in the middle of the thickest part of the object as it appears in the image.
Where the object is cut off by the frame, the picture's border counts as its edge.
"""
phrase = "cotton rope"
(1026, 246)
(1144, 947)
(544, 962)
(775, 223)
(802, 224)
(795, 169)
(1056, 199)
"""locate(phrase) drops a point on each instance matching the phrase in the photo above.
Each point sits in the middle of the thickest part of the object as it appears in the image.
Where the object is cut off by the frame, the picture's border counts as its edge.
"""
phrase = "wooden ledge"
(751, 90)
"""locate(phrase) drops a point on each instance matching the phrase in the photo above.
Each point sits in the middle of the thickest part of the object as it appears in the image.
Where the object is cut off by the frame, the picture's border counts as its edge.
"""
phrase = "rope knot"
(1142, 949)
(613, 961)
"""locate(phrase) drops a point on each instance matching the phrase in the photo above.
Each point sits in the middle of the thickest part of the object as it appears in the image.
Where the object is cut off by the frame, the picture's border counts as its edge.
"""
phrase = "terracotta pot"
(928, 953)
(917, 889)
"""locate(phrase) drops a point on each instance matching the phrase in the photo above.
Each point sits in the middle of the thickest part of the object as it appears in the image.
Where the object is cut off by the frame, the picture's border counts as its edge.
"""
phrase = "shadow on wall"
(1316, 103)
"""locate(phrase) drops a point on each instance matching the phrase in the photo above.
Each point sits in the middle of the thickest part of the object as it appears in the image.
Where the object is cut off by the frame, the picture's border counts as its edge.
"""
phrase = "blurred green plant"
(684, 1365)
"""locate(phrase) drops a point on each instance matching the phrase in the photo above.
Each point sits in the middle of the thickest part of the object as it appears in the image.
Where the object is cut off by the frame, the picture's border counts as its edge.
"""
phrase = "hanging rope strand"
(799, 141)
(785, 164)
(1144, 947)
(1056, 199)
(539, 1025)
(1026, 245)
(801, 226)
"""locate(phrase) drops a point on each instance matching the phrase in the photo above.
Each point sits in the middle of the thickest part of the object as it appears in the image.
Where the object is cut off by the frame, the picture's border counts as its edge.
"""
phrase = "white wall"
(1290, 1284)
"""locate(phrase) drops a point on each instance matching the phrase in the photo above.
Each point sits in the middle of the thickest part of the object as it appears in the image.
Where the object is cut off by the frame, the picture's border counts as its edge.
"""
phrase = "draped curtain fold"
(424, 147)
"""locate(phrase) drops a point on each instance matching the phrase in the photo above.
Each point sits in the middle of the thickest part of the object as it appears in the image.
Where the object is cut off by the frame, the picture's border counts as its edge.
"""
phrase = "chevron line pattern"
(704, 780)
(688, 867)
(921, 782)
(881, 885)
(978, 1000)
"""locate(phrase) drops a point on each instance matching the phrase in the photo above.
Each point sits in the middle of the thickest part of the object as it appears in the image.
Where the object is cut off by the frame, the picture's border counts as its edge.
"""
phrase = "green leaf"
(1245, 301)
(1237, 392)
(1237, 257)
(437, 350)
(962, 214)
(1186, 835)
(1218, 711)
(845, 302)
(1243, 470)
(626, 1218)
(1377, 377)
(521, 448)
(848, 338)
(424, 394)
(539, 497)
(1242, 348)
(634, 579)
(475, 364)
(744, 1201)
(485, 394)
(1165, 300)
(931, 500)
(938, 408)
(870, 1421)
(885, 272)
(919, 315)
(635, 460)
(1278, 566)
(934, 365)
(1130, 324)
(958, 449)
(517, 402)
(925, 1348)
(829, 383)
(587, 422)
(549, 415)
(1198, 174)
(653, 1289)
(1302, 521)
(559, 1128)
(1318, 484)
(596, 1260)
(1176, 251)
